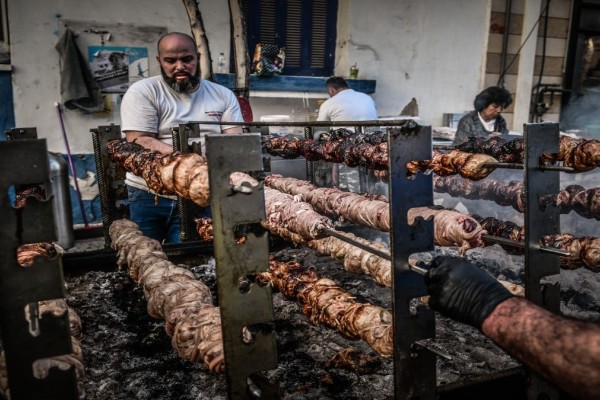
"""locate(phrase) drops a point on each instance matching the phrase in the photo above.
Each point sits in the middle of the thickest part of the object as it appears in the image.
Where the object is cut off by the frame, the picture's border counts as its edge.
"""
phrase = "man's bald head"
(171, 35)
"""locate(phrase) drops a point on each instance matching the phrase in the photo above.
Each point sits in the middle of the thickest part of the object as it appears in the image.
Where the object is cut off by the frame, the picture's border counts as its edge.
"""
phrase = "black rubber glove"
(462, 291)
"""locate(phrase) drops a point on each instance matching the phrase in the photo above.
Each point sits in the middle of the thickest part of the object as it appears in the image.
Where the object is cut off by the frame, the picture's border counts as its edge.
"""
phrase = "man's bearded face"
(182, 81)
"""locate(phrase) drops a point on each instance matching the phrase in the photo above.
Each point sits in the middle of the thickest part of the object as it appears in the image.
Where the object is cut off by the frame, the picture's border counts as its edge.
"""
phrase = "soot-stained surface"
(128, 354)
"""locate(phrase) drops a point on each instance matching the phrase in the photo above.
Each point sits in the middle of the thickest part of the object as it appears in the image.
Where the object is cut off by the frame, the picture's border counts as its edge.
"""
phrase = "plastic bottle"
(353, 72)
(221, 64)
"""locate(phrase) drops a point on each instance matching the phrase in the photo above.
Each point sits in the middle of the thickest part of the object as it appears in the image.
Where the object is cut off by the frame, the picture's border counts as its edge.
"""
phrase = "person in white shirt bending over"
(345, 104)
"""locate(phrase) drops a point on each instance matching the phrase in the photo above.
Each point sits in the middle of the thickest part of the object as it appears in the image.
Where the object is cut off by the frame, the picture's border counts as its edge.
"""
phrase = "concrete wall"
(431, 50)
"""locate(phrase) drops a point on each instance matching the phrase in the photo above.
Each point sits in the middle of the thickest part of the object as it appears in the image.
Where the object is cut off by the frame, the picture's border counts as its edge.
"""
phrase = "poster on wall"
(115, 68)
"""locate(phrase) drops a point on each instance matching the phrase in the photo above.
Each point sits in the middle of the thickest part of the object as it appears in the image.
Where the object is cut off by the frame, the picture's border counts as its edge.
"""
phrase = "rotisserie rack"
(247, 206)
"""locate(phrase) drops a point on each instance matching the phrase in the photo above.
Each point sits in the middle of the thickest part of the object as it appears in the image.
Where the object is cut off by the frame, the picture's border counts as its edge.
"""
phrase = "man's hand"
(462, 291)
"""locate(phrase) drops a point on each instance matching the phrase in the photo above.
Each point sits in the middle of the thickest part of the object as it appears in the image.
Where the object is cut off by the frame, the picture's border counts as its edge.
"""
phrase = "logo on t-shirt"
(216, 114)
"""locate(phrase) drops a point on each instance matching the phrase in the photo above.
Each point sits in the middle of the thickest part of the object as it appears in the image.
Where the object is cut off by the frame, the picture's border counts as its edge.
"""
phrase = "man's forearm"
(148, 142)
(564, 351)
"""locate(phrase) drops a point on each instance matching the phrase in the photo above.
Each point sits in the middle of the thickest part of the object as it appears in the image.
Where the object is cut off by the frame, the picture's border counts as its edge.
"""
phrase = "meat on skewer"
(347, 150)
(470, 166)
(347, 205)
(173, 294)
(579, 154)
(369, 149)
(451, 228)
(323, 301)
(22, 193)
(585, 202)
(502, 193)
(584, 251)
(26, 253)
(285, 211)
(184, 175)
(503, 150)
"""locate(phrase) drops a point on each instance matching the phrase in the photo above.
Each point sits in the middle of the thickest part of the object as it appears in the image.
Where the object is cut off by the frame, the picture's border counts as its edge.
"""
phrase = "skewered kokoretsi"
(173, 294)
(369, 150)
(502, 193)
(584, 251)
(585, 202)
(184, 175)
(580, 154)
(471, 166)
(325, 302)
(354, 259)
(350, 206)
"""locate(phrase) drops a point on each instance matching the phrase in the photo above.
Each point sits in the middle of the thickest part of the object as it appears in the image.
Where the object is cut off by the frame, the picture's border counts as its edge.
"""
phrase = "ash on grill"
(127, 354)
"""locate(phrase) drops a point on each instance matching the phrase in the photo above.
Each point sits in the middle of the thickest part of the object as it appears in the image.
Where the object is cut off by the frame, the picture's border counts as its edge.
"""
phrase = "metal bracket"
(540, 138)
(110, 178)
(243, 309)
(413, 377)
(22, 286)
(21, 133)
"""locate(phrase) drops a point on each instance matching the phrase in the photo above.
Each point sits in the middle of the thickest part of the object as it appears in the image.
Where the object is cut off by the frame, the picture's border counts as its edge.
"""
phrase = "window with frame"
(306, 28)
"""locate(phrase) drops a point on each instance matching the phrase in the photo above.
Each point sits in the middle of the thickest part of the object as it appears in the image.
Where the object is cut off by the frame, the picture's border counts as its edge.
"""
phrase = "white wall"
(431, 50)
(35, 28)
(428, 49)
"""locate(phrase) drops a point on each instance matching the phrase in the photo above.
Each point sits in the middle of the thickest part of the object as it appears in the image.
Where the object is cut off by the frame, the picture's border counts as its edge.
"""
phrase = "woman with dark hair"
(485, 120)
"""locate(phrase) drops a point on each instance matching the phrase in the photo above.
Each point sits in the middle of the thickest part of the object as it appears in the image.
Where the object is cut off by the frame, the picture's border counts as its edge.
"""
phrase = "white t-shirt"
(150, 105)
(348, 105)
(489, 126)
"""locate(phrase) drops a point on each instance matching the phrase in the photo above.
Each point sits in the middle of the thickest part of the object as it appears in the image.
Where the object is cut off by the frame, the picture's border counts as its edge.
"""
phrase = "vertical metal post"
(110, 177)
(245, 308)
(540, 138)
(414, 370)
(32, 337)
(187, 208)
(310, 169)
(363, 172)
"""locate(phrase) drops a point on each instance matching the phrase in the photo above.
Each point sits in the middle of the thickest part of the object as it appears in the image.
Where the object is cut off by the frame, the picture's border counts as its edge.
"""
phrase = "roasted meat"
(369, 150)
(467, 165)
(324, 302)
(184, 175)
(451, 228)
(502, 193)
(346, 205)
(579, 154)
(173, 294)
(585, 202)
(585, 251)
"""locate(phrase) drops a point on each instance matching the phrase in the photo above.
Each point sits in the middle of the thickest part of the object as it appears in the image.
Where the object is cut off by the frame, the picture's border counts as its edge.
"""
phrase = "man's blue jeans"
(156, 216)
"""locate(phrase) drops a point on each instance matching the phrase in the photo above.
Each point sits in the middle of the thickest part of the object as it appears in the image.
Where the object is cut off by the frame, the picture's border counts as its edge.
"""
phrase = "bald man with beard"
(152, 106)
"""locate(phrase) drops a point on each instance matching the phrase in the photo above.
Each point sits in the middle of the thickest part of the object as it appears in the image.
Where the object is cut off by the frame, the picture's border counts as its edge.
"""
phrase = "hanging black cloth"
(78, 89)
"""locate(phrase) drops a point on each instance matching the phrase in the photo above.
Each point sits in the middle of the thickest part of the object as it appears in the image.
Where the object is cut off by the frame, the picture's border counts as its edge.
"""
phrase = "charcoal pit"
(128, 354)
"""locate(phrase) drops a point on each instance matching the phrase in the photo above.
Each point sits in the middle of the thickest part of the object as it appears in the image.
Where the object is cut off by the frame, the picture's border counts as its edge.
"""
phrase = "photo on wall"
(115, 68)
